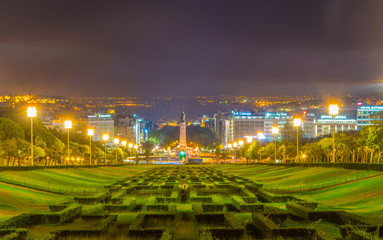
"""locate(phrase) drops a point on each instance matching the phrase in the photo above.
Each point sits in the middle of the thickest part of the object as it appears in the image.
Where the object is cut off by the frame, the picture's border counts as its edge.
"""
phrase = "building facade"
(366, 115)
(102, 123)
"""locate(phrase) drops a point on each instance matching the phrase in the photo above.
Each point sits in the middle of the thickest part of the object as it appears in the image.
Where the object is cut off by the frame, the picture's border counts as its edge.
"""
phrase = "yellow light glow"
(297, 122)
(240, 142)
(303, 155)
(235, 144)
(105, 137)
(130, 145)
(90, 132)
(260, 135)
(275, 130)
(135, 146)
(249, 139)
(123, 143)
(229, 145)
(333, 109)
(68, 124)
(116, 141)
(31, 112)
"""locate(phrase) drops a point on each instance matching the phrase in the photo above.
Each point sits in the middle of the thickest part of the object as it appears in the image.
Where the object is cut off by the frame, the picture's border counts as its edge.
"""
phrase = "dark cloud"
(105, 48)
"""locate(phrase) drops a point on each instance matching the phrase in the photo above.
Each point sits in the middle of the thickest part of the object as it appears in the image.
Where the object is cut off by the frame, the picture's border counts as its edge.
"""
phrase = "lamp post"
(124, 144)
(31, 112)
(90, 134)
(68, 125)
(136, 147)
(229, 146)
(297, 123)
(130, 145)
(235, 145)
(275, 131)
(249, 140)
(240, 144)
(116, 142)
(105, 137)
(260, 136)
(333, 110)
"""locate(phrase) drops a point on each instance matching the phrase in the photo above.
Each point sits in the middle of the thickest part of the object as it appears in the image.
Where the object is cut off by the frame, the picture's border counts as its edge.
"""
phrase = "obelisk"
(182, 133)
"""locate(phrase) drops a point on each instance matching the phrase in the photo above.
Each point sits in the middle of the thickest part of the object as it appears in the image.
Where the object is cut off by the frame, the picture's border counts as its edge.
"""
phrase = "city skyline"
(190, 48)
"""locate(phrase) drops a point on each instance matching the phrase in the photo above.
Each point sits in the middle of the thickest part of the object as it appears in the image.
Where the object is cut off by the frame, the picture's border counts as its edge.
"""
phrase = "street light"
(31, 112)
(297, 123)
(124, 144)
(116, 141)
(260, 136)
(68, 125)
(275, 131)
(249, 139)
(333, 110)
(240, 144)
(136, 147)
(235, 145)
(130, 145)
(90, 134)
(105, 137)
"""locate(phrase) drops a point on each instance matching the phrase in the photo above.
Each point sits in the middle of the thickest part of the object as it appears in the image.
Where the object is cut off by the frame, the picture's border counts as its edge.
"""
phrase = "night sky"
(199, 47)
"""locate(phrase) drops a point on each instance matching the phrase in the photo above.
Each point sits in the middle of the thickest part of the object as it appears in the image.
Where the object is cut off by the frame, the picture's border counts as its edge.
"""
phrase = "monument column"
(183, 133)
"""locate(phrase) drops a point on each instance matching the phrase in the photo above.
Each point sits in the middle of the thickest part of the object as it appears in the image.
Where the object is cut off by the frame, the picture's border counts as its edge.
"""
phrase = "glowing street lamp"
(31, 112)
(240, 144)
(130, 145)
(105, 137)
(275, 131)
(136, 147)
(260, 136)
(297, 123)
(124, 144)
(116, 142)
(333, 110)
(90, 134)
(249, 140)
(68, 125)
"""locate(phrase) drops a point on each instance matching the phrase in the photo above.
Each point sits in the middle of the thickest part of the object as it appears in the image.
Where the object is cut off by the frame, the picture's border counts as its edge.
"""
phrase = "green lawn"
(363, 197)
(15, 199)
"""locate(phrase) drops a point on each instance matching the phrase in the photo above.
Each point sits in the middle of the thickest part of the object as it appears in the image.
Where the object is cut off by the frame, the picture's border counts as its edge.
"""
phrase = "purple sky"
(199, 47)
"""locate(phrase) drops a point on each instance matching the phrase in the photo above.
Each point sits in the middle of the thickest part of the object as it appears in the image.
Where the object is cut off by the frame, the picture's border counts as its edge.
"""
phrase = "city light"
(229, 145)
(123, 143)
(261, 135)
(90, 132)
(105, 137)
(297, 122)
(275, 130)
(130, 145)
(68, 124)
(249, 139)
(235, 144)
(31, 112)
(136, 146)
(333, 109)
(116, 141)
(240, 142)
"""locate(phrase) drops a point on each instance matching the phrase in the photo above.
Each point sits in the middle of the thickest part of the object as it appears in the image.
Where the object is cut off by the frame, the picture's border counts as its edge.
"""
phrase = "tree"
(9, 129)
(148, 148)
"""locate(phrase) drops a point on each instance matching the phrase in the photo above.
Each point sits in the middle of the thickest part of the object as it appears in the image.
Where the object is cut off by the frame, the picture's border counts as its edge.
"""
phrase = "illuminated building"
(323, 125)
(366, 115)
(102, 123)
